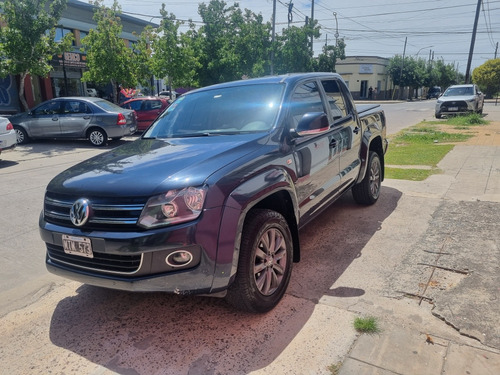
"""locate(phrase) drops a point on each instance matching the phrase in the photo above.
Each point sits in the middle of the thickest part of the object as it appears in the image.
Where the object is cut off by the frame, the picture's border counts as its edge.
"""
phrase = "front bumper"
(455, 107)
(136, 261)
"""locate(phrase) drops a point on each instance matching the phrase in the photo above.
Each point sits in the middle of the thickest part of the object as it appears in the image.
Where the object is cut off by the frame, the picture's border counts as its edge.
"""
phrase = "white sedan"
(8, 138)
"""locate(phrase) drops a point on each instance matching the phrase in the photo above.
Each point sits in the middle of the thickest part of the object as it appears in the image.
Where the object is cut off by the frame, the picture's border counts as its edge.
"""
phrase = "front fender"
(237, 205)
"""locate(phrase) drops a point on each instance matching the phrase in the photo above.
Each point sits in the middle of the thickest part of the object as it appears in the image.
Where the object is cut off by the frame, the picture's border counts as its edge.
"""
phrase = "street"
(61, 326)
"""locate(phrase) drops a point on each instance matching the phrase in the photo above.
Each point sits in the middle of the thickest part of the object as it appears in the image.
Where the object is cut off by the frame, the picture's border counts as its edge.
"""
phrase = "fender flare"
(237, 205)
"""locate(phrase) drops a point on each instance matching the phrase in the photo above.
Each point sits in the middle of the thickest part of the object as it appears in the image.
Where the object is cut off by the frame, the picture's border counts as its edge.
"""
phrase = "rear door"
(150, 109)
(346, 123)
(75, 118)
(44, 120)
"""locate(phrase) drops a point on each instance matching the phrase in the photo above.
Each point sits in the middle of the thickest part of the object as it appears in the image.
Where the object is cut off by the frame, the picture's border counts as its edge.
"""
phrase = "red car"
(147, 108)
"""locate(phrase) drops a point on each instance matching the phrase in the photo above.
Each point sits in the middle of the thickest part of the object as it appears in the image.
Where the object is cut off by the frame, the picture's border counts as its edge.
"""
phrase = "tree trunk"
(21, 92)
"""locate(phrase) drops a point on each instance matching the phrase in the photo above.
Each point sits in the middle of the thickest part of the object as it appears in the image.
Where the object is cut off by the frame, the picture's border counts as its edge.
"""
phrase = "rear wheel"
(368, 190)
(97, 137)
(21, 135)
(265, 262)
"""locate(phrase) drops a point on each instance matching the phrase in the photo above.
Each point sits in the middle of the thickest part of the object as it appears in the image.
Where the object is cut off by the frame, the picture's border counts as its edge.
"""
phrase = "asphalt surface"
(424, 261)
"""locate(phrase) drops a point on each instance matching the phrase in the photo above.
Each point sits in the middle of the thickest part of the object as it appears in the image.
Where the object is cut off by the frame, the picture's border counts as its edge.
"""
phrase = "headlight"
(439, 101)
(173, 207)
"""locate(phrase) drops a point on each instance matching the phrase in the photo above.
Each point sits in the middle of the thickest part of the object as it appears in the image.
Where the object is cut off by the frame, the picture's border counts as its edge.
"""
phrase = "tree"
(487, 77)
(108, 58)
(27, 42)
(231, 44)
(293, 52)
(142, 60)
(173, 55)
(328, 58)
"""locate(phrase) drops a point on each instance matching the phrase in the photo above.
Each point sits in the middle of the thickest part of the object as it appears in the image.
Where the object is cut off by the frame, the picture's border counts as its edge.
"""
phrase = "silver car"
(460, 99)
(7, 135)
(89, 118)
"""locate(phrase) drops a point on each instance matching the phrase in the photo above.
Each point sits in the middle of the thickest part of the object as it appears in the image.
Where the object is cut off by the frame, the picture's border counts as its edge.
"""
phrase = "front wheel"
(368, 190)
(97, 137)
(21, 135)
(438, 115)
(265, 262)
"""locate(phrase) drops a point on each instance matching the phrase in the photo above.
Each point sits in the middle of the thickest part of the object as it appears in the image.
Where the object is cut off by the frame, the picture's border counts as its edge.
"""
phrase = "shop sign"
(70, 60)
(366, 69)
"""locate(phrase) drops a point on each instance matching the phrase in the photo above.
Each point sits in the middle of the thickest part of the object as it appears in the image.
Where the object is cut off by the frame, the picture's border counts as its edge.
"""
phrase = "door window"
(306, 98)
(50, 108)
(335, 98)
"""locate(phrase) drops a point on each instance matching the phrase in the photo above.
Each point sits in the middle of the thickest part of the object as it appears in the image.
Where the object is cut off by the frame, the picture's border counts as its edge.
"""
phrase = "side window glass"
(335, 98)
(135, 105)
(50, 108)
(155, 104)
(306, 98)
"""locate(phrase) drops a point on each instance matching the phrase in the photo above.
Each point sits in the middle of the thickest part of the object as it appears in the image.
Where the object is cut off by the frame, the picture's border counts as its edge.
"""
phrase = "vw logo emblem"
(79, 212)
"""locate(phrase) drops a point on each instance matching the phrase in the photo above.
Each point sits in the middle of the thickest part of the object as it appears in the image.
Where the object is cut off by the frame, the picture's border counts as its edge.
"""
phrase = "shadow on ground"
(148, 333)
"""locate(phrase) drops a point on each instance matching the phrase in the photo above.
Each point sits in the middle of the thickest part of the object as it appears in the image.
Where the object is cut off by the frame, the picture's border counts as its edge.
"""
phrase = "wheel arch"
(272, 190)
(376, 144)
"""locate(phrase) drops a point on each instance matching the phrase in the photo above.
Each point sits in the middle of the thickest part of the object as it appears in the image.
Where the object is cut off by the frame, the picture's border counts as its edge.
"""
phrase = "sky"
(430, 29)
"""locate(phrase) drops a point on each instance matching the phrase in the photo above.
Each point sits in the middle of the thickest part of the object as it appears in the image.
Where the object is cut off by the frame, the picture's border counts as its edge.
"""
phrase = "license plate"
(77, 246)
(451, 109)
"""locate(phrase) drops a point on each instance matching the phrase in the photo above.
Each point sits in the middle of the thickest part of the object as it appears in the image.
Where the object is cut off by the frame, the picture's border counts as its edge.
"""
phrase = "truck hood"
(150, 166)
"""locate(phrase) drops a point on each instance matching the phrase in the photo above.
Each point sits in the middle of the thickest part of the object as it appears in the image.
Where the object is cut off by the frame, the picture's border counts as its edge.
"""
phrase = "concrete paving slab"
(400, 351)
(355, 367)
(464, 360)
(456, 265)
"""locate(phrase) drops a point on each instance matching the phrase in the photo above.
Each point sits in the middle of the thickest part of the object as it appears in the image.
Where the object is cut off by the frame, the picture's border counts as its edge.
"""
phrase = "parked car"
(89, 118)
(460, 99)
(434, 92)
(8, 139)
(211, 198)
(147, 109)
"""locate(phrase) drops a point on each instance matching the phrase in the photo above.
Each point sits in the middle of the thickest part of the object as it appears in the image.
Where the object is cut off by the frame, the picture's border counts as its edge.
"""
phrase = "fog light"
(179, 258)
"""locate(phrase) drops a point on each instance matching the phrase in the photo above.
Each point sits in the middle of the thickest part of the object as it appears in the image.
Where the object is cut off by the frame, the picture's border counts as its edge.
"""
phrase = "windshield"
(230, 110)
(459, 91)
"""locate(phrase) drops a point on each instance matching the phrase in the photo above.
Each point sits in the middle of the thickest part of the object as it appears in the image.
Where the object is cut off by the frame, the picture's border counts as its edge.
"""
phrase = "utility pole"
(402, 66)
(312, 25)
(472, 42)
(272, 37)
(336, 29)
(496, 50)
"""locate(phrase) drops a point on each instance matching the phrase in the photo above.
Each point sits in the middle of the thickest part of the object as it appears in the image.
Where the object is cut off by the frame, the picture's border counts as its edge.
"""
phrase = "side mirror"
(311, 123)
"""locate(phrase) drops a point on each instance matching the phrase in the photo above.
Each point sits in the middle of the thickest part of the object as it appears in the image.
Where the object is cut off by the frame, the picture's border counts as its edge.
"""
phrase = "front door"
(317, 157)
(44, 120)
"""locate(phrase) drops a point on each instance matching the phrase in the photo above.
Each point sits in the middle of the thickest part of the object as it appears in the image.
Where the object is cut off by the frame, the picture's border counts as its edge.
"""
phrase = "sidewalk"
(455, 268)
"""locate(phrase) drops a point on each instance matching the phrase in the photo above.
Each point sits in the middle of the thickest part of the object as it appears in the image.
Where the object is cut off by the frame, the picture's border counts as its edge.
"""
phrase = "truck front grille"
(106, 213)
(101, 262)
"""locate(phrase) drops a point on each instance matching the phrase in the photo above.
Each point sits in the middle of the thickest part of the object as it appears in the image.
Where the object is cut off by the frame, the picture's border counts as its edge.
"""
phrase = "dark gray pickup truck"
(210, 199)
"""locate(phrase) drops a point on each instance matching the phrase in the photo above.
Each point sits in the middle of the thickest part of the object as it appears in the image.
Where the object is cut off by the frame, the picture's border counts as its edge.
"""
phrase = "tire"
(21, 135)
(438, 115)
(97, 137)
(368, 190)
(265, 263)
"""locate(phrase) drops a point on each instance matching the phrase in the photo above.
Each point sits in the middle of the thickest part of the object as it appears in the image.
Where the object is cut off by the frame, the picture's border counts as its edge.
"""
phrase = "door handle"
(333, 143)
(86, 117)
(356, 130)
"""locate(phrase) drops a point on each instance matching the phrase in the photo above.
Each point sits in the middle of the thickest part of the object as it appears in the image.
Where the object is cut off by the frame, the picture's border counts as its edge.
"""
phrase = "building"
(65, 77)
(364, 72)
